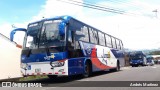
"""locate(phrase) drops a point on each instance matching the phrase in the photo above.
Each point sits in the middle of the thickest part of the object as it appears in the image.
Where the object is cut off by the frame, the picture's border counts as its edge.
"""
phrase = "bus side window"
(70, 38)
(108, 41)
(121, 44)
(118, 44)
(93, 36)
(113, 42)
(101, 38)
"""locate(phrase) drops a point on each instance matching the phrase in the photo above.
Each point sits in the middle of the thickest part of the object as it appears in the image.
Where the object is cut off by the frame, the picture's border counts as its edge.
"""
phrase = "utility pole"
(13, 26)
(156, 11)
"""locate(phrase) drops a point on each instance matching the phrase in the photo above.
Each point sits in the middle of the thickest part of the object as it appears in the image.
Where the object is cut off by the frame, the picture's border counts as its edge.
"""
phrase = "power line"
(95, 7)
(128, 13)
(92, 6)
(132, 6)
(99, 7)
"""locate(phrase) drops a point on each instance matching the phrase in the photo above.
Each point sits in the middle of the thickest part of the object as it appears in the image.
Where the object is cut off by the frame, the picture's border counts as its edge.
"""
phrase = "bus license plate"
(37, 70)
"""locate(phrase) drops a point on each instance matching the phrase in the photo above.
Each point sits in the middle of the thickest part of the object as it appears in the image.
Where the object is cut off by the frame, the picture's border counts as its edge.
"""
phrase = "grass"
(28, 78)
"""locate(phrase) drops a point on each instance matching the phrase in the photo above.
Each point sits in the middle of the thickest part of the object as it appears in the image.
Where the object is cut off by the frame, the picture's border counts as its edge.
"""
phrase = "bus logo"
(49, 57)
(89, 50)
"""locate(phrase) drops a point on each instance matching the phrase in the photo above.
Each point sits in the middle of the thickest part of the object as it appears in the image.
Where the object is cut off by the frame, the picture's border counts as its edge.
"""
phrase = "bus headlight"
(57, 64)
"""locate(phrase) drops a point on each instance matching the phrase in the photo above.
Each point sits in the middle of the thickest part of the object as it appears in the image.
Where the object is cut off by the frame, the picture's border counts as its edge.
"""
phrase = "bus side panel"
(119, 54)
(75, 66)
(102, 57)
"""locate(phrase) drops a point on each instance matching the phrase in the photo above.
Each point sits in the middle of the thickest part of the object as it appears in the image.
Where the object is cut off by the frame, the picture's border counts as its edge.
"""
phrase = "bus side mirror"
(14, 31)
(62, 27)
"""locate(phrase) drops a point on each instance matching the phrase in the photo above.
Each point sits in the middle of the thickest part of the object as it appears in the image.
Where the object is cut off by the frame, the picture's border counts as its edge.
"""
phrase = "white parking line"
(154, 67)
(126, 68)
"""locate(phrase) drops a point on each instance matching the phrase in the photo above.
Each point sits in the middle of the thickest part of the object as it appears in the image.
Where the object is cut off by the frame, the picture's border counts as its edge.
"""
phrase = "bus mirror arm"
(19, 46)
(14, 31)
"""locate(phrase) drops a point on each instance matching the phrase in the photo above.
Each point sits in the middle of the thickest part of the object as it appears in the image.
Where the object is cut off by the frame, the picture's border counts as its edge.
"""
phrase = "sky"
(138, 27)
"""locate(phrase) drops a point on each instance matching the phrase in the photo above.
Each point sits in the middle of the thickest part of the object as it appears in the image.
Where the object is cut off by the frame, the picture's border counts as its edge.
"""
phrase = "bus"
(66, 46)
(138, 58)
(150, 60)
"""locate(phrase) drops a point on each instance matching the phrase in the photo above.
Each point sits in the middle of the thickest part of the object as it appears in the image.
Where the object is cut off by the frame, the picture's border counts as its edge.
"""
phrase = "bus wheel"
(118, 66)
(87, 69)
(52, 76)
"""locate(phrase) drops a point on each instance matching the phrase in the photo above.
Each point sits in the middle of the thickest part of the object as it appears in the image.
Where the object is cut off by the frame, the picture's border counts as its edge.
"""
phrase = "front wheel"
(87, 69)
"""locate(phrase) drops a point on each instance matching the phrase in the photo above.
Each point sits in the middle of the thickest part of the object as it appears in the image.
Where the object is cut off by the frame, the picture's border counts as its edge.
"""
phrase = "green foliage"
(155, 53)
(32, 78)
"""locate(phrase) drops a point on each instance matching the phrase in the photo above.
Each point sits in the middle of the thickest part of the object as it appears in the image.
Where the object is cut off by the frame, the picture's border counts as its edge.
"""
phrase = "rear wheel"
(118, 66)
(87, 69)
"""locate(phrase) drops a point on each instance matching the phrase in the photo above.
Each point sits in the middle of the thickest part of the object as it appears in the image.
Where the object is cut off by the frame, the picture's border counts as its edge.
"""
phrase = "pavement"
(104, 80)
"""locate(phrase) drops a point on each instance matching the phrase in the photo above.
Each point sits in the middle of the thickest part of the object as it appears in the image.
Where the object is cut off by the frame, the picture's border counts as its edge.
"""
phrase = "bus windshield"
(44, 34)
(136, 57)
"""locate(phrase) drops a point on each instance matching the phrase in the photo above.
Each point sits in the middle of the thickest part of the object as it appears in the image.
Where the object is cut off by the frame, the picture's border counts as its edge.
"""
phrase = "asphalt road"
(126, 76)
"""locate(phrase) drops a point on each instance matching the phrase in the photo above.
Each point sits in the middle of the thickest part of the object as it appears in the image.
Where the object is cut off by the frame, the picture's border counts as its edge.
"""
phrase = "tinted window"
(82, 34)
(121, 44)
(93, 36)
(118, 44)
(108, 41)
(114, 42)
(101, 38)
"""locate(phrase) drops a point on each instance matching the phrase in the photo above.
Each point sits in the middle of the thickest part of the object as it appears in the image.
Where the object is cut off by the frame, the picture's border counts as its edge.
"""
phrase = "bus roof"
(68, 18)
(65, 17)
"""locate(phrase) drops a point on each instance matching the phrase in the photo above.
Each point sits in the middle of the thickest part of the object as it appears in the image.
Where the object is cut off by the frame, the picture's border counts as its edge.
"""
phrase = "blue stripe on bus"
(42, 57)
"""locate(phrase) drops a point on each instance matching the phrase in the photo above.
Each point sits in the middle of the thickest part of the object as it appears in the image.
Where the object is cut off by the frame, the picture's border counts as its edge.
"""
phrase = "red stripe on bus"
(96, 61)
(56, 72)
(63, 72)
(49, 73)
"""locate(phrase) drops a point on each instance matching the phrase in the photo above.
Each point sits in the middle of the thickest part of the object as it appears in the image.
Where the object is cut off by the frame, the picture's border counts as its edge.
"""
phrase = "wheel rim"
(86, 69)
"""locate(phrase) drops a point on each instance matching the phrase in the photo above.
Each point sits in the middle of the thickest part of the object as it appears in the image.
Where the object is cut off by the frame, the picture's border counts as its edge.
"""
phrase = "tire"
(136, 65)
(118, 66)
(52, 76)
(87, 69)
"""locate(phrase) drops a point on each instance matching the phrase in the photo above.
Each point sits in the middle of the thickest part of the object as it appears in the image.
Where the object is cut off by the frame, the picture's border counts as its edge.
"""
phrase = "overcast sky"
(139, 28)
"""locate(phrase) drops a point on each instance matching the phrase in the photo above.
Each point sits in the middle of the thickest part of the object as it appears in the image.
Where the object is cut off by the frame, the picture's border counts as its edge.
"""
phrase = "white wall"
(9, 59)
